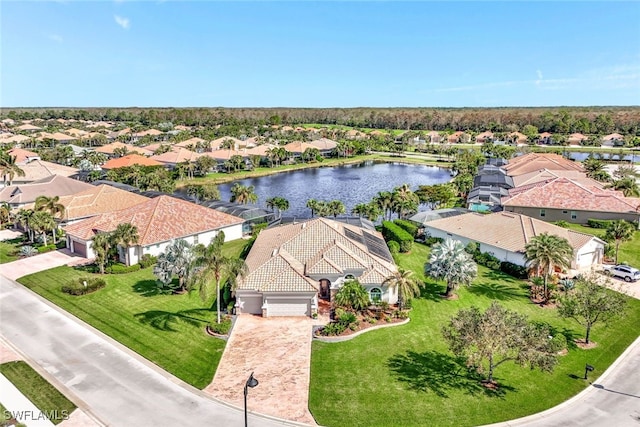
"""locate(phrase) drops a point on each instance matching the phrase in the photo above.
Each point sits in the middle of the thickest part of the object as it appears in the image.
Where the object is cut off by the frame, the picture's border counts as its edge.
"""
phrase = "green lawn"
(38, 390)
(8, 251)
(166, 329)
(629, 251)
(405, 376)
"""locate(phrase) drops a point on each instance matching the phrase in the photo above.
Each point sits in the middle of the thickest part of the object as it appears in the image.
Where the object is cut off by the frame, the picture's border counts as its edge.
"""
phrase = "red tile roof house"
(159, 221)
(571, 201)
(292, 266)
(505, 235)
(484, 137)
(130, 160)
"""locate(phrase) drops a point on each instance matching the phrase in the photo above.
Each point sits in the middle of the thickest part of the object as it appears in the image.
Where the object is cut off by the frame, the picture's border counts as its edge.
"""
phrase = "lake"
(613, 155)
(351, 184)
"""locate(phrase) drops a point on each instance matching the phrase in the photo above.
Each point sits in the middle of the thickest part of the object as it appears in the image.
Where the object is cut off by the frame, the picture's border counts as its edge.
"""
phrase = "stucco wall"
(552, 215)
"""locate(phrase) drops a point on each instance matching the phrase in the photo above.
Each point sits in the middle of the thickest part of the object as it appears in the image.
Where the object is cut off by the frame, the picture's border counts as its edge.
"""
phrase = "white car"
(628, 273)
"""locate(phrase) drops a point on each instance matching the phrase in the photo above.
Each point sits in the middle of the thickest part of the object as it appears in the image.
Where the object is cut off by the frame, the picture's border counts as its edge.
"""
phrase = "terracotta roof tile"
(130, 160)
(98, 200)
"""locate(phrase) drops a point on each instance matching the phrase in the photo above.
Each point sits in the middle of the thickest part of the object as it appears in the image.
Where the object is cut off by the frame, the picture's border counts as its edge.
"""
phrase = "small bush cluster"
(83, 286)
(394, 247)
(147, 260)
(430, 241)
(487, 259)
(46, 248)
(393, 232)
(562, 223)
(599, 223)
(515, 270)
(27, 251)
(122, 269)
(408, 226)
(221, 328)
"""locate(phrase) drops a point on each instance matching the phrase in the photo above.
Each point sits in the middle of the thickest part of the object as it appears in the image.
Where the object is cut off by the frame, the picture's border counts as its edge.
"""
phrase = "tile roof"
(130, 160)
(284, 257)
(50, 186)
(22, 155)
(564, 193)
(545, 175)
(157, 220)
(180, 155)
(298, 147)
(506, 230)
(98, 200)
(110, 148)
(324, 144)
(191, 141)
(537, 161)
(39, 169)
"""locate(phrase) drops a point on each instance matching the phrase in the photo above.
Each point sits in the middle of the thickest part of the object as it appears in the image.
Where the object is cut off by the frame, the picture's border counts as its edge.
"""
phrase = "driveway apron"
(278, 351)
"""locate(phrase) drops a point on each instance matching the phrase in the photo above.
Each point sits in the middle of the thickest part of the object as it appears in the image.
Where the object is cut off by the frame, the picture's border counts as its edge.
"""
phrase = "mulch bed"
(584, 346)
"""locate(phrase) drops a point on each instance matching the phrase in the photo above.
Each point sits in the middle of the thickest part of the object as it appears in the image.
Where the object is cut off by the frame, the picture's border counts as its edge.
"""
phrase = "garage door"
(251, 305)
(287, 307)
(588, 259)
(80, 248)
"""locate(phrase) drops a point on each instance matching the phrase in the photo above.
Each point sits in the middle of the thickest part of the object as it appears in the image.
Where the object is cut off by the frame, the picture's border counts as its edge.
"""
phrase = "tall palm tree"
(619, 231)
(126, 235)
(281, 204)
(545, 252)
(51, 205)
(41, 222)
(9, 168)
(404, 201)
(450, 262)
(101, 245)
(384, 199)
(23, 217)
(243, 194)
(335, 208)
(214, 266)
(406, 284)
(313, 205)
(5, 213)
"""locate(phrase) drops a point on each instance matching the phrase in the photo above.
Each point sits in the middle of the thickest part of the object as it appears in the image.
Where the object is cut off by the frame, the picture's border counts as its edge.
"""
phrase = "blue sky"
(319, 54)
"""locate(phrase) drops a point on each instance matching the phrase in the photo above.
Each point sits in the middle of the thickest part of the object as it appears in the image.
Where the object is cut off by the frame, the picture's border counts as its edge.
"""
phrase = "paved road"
(119, 388)
(611, 400)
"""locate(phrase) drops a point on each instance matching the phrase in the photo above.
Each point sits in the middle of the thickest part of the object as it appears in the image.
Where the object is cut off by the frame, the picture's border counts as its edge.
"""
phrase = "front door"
(325, 291)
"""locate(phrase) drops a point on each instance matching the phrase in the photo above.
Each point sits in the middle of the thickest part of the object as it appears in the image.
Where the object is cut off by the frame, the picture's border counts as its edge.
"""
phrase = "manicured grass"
(8, 251)
(5, 417)
(166, 329)
(629, 251)
(406, 376)
(38, 390)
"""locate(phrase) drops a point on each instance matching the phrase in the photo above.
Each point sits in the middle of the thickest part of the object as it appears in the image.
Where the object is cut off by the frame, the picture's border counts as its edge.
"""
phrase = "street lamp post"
(251, 382)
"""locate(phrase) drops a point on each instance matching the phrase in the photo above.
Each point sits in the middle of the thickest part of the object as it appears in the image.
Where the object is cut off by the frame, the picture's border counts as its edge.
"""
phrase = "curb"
(352, 336)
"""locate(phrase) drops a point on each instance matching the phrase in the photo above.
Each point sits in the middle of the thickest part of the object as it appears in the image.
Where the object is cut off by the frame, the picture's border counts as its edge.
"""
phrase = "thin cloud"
(55, 37)
(539, 74)
(123, 22)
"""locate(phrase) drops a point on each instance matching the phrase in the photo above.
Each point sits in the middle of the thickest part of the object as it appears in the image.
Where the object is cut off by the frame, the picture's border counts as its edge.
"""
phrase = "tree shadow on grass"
(497, 291)
(166, 320)
(146, 288)
(440, 373)
(432, 291)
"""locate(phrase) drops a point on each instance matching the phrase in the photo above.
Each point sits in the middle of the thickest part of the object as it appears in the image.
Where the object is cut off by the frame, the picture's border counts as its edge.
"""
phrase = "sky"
(124, 53)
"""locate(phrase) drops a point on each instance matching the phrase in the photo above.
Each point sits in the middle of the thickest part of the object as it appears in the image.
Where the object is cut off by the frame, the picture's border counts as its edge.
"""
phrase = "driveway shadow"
(439, 373)
(166, 320)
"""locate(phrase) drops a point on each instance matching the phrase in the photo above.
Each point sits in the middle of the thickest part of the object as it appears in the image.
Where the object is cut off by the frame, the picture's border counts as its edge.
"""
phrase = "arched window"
(349, 277)
(375, 294)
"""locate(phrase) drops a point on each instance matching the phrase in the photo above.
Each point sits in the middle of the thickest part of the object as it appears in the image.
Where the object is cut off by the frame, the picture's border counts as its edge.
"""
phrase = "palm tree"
(41, 222)
(9, 168)
(628, 186)
(313, 205)
(352, 296)
(404, 201)
(384, 199)
(545, 252)
(214, 265)
(23, 217)
(450, 262)
(243, 194)
(619, 231)
(101, 245)
(51, 205)
(335, 208)
(406, 284)
(179, 259)
(5, 213)
(281, 204)
(126, 235)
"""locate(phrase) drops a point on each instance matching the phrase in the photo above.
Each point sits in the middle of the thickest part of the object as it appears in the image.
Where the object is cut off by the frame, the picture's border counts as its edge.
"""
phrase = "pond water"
(351, 184)
(614, 155)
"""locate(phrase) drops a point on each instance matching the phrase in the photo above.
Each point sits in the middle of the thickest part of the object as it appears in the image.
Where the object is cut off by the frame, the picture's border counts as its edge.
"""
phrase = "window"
(375, 294)
(543, 213)
(574, 215)
(349, 277)
(564, 212)
(195, 239)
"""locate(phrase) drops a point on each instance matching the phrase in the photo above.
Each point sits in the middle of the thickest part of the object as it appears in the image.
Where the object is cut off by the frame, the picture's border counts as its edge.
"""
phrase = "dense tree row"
(596, 120)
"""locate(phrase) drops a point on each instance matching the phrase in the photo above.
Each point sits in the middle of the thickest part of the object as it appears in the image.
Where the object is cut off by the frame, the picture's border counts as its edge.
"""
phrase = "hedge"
(599, 223)
(407, 226)
(122, 269)
(83, 285)
(515, 270)
(393, 232)
(47, 248)
(147, 260)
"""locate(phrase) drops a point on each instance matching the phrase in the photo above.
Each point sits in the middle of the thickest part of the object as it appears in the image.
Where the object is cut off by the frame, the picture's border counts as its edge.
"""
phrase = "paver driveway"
(278, 350)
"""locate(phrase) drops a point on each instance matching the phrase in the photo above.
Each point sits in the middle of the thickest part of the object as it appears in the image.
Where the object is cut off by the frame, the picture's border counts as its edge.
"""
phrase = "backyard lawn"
(406, 376)
(38, 390)
(166, 329)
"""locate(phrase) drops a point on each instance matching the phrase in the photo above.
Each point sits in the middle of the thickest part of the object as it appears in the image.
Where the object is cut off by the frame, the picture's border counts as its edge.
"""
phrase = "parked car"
(628, 273)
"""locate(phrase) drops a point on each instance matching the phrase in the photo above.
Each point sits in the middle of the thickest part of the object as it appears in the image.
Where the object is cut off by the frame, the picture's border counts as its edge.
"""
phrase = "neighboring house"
(571, 201)
(545, 138)
(484, 137)
(28, 128)
(517, 138)
(291, 266)
(56, 136)
(159, 221)
(297, 148)
(434, 137)
(538, 161)
(23, 156)
(613, 140)
(97, 200)
(545, 175)
(174, 157)
(576, 139)
(459, 137)
(109, 149)
(18, 196)
(38, 169)
(130, 160)
(324, 145)
(484, 198)
(489, 175)
(506, 234)
(16, 139)
(191, 143)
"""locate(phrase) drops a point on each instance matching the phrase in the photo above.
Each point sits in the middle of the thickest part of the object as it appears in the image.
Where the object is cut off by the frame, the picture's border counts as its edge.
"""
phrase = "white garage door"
(287, 307)
(251, 305)
(586, 260)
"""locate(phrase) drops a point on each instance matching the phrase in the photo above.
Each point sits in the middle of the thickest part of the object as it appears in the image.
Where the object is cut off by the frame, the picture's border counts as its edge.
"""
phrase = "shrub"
(47, 248)
(333, 329)
(147, 260)
(487, 259)
(221, 328)
(27, 251)
(472, 248)
(122, 269)
(401, 314)
(347, 319)
(558, 342)
(393, 232)
(408, 226)
(599, 223)
(514, 270)
(83, 285)
(408, 304)
(394, 247)
(562, 223)
(430, 241)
